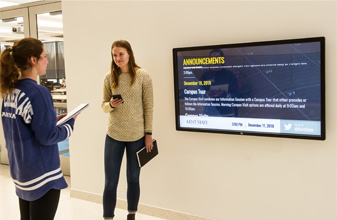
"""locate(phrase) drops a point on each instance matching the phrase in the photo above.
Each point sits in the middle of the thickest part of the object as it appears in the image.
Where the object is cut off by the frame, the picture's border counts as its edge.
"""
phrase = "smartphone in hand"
(118, 96)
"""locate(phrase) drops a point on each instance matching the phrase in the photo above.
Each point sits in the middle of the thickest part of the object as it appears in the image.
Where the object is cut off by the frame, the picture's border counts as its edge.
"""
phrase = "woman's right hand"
(115, 102)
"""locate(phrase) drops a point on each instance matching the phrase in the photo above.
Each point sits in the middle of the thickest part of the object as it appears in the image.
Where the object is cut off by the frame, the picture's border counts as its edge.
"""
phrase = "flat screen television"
(269, 88)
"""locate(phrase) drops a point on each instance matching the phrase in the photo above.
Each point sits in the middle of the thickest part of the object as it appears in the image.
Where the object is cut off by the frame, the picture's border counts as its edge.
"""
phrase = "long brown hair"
(115, 70)
(15, 60)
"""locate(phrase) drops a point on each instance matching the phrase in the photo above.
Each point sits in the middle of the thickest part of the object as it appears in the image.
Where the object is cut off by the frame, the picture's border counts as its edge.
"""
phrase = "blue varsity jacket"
(31, 135)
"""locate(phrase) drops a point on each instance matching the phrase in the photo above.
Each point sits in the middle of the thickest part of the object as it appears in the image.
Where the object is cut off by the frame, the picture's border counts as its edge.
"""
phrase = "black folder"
(144, 157)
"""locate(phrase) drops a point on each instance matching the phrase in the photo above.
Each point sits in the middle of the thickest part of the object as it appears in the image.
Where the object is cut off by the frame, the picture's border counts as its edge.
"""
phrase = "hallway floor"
(68, 209)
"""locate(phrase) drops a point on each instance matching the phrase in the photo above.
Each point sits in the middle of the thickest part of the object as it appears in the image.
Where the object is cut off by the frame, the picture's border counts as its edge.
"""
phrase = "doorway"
(42, 21)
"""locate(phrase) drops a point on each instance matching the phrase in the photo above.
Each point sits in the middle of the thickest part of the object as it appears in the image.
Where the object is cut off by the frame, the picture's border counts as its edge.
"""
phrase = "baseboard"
(143, 209)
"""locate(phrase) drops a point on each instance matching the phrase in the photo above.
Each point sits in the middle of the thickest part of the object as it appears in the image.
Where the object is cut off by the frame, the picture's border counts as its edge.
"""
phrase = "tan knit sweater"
(130, 120)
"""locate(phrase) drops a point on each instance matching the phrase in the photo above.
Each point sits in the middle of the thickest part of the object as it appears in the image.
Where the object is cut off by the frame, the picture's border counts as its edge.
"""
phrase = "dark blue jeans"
(113, 155)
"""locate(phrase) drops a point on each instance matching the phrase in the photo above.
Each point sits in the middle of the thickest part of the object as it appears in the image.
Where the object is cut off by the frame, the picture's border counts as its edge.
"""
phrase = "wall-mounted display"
(270, 88)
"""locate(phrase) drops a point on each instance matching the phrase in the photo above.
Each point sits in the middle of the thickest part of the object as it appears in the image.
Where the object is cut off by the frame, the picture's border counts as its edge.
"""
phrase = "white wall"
(211, 175)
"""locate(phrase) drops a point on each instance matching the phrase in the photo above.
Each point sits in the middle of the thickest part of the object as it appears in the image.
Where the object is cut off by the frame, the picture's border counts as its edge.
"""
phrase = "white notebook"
(73, 113)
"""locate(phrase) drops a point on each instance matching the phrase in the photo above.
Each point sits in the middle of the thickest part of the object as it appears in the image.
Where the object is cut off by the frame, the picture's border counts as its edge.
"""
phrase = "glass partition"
(14, 25)
(45, 23)
(11, 29)
(50, 32)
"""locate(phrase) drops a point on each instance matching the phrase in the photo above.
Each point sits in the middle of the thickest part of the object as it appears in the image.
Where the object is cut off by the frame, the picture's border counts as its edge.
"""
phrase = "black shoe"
(131, 216)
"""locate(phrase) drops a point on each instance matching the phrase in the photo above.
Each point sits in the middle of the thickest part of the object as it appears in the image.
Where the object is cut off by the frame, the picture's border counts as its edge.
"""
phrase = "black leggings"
(43, 208)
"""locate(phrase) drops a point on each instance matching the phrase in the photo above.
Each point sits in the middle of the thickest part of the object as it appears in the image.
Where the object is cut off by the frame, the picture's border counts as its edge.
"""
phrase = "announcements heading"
(204, 61)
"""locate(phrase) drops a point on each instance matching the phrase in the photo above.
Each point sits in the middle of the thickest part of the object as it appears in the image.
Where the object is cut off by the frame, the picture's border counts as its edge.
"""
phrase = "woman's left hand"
(148, 143)
(60, 116)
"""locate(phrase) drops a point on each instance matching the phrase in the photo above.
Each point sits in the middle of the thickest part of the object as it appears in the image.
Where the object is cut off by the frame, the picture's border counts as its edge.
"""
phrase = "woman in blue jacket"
(29, 123)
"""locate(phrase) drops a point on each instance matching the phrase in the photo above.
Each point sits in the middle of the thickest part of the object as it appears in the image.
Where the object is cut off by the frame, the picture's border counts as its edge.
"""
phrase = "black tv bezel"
(321, 40)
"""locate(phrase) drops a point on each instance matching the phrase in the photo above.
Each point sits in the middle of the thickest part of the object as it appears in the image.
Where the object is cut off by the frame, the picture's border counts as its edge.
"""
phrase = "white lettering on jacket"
(25, 109)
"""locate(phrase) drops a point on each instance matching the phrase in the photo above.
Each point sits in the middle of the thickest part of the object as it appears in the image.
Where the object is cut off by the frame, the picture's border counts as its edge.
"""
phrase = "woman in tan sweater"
(129, 127)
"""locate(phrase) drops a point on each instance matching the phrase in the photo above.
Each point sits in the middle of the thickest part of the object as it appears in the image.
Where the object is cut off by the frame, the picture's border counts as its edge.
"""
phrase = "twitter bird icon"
(287, 127)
